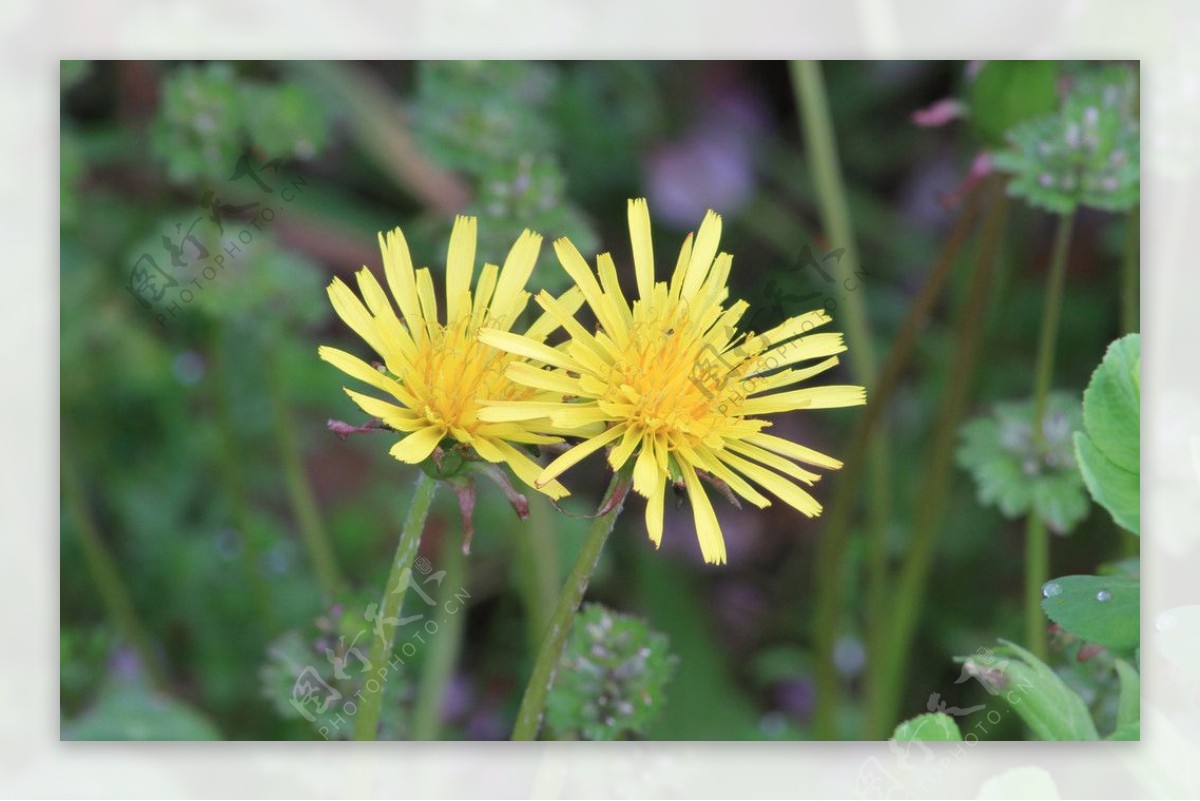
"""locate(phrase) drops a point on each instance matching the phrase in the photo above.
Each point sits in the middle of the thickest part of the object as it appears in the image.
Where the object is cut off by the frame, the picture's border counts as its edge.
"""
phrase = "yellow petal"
(425, 293)
(530, 349)
(357, 368)
(773, 461)
(460, 266)
(397, 417)
(713, 464)
(831, 397)
(516, 411)
(483, 298)
(800, 324)
(354, 314)
(643, 246)
(707, 241)
(398, 269)
(620, 454)
(518, 266)
(399, 348)
(578, 454)
(577, 267)
(654, 511)
(776, 484)
(544, 325)
(528, 375)
(793, 450)
(417, 446)
(645, 469)
(813, 346)
(577, 332)
(708, 530)
(756, 384)
(612, 288)
(528, 471)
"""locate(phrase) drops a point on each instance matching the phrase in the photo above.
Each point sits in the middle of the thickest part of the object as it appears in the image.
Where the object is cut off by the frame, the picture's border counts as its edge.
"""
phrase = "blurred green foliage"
(171, 406)
(998, 450)
(1084, 154)
(612, 678)
(209, 115)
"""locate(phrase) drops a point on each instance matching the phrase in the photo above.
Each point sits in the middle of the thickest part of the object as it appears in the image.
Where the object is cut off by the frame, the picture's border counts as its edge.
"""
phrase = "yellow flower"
(438, 374)
(674, 384)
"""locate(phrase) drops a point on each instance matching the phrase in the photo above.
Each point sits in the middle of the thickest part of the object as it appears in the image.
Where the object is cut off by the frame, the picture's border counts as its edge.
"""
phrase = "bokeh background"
(201, 485)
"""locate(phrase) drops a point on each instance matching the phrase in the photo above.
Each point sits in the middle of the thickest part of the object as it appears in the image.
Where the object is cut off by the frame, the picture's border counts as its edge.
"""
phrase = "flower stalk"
(1037, 540)
(533, 704)
(366, 725)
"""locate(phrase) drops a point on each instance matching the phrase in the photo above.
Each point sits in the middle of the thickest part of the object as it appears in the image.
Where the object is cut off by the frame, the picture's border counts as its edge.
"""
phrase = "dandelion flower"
(677, 389)
(437, 374)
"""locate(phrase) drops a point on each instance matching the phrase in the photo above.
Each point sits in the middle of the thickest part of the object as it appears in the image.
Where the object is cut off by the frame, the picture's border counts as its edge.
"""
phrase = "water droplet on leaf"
(1103, 595)
(1051, 589)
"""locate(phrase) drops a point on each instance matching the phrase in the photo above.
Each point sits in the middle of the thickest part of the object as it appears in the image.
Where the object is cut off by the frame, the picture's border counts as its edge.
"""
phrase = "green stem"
(831, 578)
(904, 345)
(300, 494)
(890, 665)
(1037, 541)
(443, 651)
(537, 569)
(835, 211)
(366, 726)
(103, 567)
(254, 546)
(533, 704)
(1129, 272)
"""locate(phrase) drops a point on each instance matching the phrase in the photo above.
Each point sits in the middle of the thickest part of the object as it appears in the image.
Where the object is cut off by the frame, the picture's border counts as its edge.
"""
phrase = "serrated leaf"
(1044, 702)
(1015, 477)
(1108, 450)
(1104, 610)
(1087, 152)
(1118, 491)
(1129, 705)
(1006, 93)
(1059, 502)
(930, 727)
(1112, 404)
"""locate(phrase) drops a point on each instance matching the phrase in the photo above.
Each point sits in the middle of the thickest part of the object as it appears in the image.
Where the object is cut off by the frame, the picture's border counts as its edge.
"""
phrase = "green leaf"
(1059, 501)
(1117, 490)
(1108, 450)
(1112, 402)
(932, 727)
(130, 711)
(1006, 93)
(1044, 702)
(1098, 609)
(998, 450)
(1129, 706)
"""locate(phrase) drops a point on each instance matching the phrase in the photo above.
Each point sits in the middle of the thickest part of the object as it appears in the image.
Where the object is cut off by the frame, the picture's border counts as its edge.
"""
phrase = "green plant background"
(199, 479)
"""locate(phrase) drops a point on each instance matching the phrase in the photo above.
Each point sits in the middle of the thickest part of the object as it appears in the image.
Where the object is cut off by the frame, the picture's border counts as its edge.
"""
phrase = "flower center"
(674, 381)
(453, 371)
